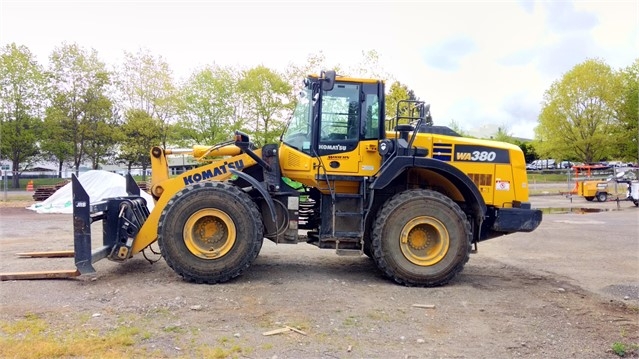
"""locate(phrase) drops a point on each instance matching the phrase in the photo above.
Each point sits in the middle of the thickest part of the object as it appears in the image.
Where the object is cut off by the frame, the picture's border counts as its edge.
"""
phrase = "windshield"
(298, 133)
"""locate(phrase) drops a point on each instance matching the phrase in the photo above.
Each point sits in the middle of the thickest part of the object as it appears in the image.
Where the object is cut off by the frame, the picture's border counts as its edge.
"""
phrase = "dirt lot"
(568, 290)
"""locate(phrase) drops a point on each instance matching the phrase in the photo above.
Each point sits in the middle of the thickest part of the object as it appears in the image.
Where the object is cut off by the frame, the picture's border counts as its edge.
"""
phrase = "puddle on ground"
(578, 210)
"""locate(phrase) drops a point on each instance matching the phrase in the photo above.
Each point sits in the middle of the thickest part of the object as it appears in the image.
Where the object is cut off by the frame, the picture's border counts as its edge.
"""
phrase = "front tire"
(422, 238)
(210, 232)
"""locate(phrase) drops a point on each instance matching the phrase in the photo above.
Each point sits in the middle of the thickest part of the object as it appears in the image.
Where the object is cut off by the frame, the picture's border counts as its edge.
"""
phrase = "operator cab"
(334, 115)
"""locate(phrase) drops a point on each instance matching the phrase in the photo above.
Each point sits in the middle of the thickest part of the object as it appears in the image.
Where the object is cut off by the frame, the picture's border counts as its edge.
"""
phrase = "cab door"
(350, 129)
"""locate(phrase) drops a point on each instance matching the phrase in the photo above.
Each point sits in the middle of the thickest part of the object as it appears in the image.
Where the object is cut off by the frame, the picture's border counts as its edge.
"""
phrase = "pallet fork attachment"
(122, 218)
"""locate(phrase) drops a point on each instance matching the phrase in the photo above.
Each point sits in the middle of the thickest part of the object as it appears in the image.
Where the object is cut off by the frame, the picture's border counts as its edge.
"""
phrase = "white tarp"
(97, 184)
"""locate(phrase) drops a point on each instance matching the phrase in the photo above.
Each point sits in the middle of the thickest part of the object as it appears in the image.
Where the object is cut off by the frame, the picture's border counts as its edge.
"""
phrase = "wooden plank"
(51, 254)
(426, 306)
(277, 331)
(296, 330)
(53, 274)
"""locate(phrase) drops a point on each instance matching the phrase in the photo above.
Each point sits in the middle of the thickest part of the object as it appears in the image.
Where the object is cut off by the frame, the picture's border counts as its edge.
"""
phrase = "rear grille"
(481, 179)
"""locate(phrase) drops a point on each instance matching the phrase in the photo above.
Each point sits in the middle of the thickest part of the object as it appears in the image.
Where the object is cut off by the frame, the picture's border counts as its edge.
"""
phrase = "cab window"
(340, 113)
(372, 117)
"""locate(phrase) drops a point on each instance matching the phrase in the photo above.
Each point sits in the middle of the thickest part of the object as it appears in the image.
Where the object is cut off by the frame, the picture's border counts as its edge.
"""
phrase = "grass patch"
(174, 329)
(228, 349)
(32, 337)
(219, 353)
(547, 177)
(622, 349)
(350, 321)
(379, 315)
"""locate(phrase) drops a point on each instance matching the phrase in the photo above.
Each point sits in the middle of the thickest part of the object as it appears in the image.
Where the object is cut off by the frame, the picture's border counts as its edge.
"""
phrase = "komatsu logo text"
(333, 147)
(210, 173)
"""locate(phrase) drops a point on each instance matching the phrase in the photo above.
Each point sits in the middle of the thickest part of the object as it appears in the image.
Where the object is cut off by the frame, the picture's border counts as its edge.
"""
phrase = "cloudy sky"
(479, 63)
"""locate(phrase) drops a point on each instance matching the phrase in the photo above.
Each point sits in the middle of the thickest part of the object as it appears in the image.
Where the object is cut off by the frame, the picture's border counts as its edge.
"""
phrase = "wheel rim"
(424, 241)
(209, 233)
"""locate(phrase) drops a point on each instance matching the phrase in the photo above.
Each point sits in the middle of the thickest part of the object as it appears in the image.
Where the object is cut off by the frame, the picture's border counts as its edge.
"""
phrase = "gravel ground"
(567, 290)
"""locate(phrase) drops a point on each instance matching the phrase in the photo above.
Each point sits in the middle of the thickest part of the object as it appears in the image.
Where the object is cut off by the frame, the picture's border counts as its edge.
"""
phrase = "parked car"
(548, 164)
(565, 164)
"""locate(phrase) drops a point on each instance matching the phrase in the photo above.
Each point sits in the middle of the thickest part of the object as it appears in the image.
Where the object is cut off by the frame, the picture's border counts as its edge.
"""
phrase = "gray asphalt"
(590, 244)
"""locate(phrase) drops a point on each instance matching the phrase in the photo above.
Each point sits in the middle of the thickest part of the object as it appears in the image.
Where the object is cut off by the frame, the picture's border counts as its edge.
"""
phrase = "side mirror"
(328, 80)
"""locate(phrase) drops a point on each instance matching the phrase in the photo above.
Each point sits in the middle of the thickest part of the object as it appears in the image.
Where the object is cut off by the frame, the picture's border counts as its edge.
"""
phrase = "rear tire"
(589, 198)
(422, 238)
(602, 196)
(210, 232)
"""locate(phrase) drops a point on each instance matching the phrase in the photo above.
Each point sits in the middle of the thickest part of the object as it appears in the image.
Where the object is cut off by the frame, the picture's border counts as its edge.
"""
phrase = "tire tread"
(380, 222)
(181, 268)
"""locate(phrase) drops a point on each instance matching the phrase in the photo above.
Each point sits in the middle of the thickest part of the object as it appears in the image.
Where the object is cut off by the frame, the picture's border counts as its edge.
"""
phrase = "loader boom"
(163, 188)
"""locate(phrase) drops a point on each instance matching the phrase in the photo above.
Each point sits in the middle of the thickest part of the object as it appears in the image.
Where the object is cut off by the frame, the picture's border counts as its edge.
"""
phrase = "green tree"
(21, 96)
(79, 103)
(369, 67)
(265, 103)
(456, 126)
(503, 135)
(577, 119)
(139, 133)
(208, 111)
(396, 93)
(55, 141)
(296, 73)
(627, 112)
(146, 83)
(102, 122)
(528, 149)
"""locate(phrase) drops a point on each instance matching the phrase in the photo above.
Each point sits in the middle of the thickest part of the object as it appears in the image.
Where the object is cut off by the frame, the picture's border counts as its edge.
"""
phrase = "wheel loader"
(415, 198)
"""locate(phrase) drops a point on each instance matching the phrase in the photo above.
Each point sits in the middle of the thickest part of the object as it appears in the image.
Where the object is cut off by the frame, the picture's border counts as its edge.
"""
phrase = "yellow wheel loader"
(414, 198)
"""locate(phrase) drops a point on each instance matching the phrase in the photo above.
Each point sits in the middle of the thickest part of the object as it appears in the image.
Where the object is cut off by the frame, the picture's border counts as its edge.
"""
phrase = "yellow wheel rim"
(209, 233)
(424, 241)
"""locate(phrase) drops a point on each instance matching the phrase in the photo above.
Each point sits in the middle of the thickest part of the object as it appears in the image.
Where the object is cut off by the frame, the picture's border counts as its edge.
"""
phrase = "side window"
(372, 116)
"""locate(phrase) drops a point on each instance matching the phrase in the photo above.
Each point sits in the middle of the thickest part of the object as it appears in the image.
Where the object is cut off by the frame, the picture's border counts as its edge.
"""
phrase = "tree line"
(77, 109)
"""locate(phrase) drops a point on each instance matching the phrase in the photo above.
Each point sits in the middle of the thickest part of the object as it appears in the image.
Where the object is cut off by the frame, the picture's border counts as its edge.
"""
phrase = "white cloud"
(505, 53)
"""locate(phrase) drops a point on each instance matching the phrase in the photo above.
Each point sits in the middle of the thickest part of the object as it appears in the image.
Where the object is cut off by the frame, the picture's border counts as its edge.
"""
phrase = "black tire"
(367, 249)
(602, 196)
(589, 198)
(210, 232)
(366, 246)
(366, 240)
(437, 224)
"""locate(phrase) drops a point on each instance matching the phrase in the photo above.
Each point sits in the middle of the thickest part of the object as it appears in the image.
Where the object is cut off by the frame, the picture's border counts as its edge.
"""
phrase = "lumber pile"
(43, 192)
(144, 186)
